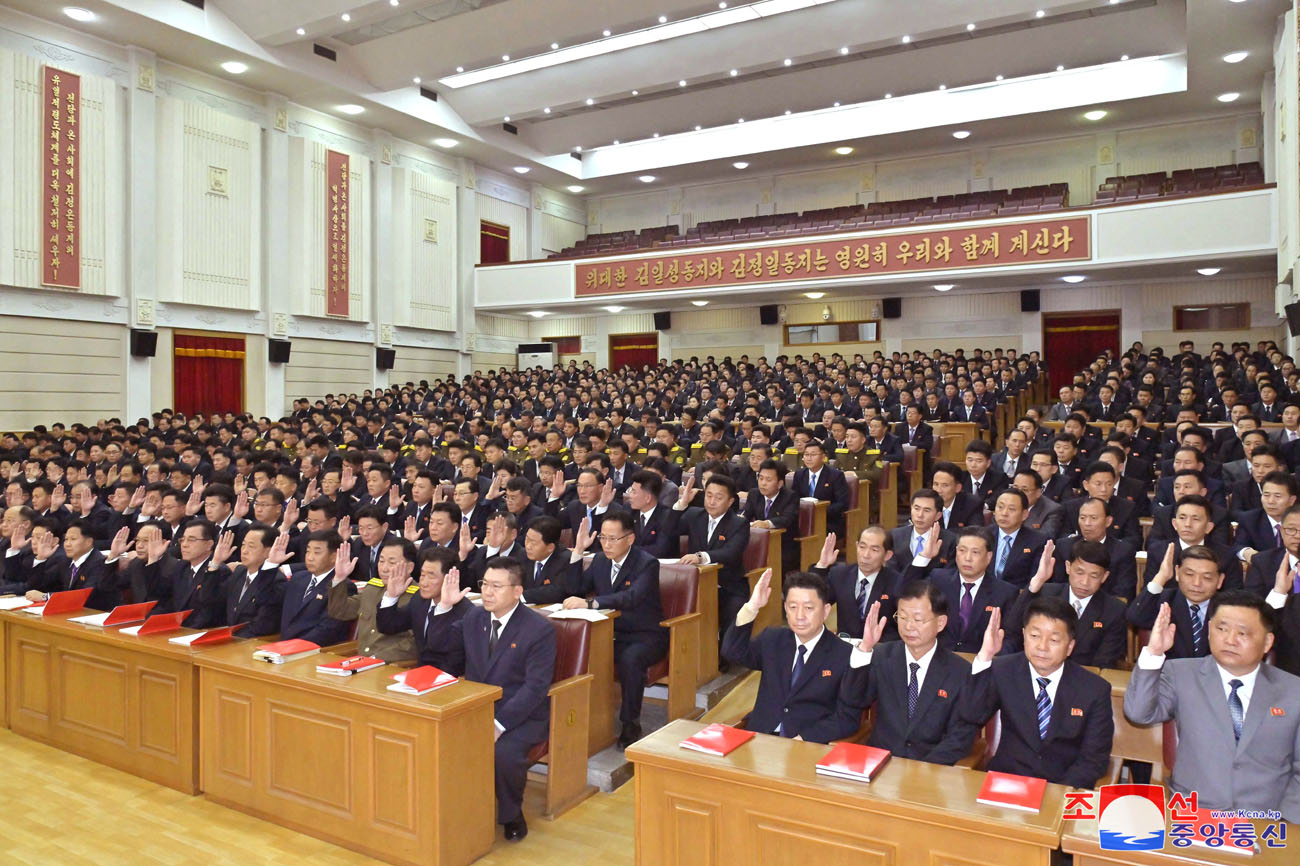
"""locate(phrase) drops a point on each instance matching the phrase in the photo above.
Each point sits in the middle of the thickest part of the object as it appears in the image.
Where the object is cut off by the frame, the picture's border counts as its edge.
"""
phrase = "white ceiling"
(382, 48)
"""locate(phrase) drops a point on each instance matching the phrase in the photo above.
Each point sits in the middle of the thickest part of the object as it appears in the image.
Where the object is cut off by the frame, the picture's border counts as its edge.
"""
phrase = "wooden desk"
(765, 804)
(124, 701)
(1080, 839)
(401, 778)
(603, 713)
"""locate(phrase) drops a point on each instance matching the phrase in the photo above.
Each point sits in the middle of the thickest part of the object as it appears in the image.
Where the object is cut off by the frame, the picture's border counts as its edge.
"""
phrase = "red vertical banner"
(337, 194)
(61, 217)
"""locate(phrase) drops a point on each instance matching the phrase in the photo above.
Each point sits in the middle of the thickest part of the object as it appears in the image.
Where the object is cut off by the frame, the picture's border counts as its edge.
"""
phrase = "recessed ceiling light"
(591, 101)
(907, 39)
(681, 83)
(889, 96)
(787, 111)
(998, 78)
(636, 92)
(522, 169)
(700, 303)
(616, 141)
(1123, 57)
(460, 68)
(235, 67)
(656, 135)
(1230, 96)
(943, 287)
(555, 46)
(844, 150)
(1073, 278)
(301, 31)
(546, 110)
(740, 165)
(604, 33)
(1039, 14)
(573, 187)
(506, 119)
(698, 127)
(505, 58)
(76, 13)
(416, 80)
(735, 72)
(970, 27)
(961, 134)
(349, 108)
(1236, 56)
(740, 120)
(844, 49)
(647, 178)
(943, 87)
(537, 314)
(663, 19)
(835, 105)
(722, 5)
(1060, 67)
(346, 17)
(1208, 272)
(787, 61)
(445, 142)
(815, 296)
(1095, 114)
(614, 309)
(392, 2)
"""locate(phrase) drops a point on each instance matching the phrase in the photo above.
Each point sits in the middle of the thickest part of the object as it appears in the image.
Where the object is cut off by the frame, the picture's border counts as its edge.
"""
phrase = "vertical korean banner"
(61, 216)
(336, 233)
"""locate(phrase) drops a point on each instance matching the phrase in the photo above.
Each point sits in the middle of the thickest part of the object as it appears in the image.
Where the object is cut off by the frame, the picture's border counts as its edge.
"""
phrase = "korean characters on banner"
(998, 245)
(61, 154)
(337, 195)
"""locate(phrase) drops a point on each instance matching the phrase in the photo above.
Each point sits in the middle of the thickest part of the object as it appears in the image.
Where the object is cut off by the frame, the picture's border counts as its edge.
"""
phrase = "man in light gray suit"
(1044, 515)
(1238, 719)
(1062, 410)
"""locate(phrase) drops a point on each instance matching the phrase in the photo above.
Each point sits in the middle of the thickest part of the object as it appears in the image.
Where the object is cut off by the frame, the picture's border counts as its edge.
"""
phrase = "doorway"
(633, 350)
(207, 373)
(1072, 341)
(493, 243)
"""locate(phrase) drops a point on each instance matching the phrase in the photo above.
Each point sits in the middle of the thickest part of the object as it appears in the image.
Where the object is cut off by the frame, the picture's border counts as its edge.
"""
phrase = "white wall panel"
(624, 212)
(426, 250)
(501, 326)
(307, 236)
(60, 370)
(559, 233)
(901, 179)
(507, 214)
(1065, 159)
(813, 190)
(320, 367)
(1167, 148)
(413, 363)
(719, 201)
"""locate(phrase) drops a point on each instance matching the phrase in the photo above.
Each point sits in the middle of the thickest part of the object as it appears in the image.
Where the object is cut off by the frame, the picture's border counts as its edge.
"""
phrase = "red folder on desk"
(853, 761)
(1013, 792)
(218, 635)
(68, 601)
(164, 622)
(717, 739)
(127, 613)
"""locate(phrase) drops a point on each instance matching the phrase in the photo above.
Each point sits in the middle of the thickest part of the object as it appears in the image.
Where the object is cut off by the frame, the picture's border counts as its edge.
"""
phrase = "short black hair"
(1243, 598)
(1053, 607)
(1091, 552)
(513, 567)
(806, 580)
(920, 588)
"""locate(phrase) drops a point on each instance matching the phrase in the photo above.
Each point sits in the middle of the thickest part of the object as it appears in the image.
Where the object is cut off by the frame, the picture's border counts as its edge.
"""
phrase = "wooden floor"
(62, 809)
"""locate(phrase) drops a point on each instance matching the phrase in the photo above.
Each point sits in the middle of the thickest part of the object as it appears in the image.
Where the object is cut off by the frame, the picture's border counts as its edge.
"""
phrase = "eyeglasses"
(1291, 531)
(610, 539)
(907, 620)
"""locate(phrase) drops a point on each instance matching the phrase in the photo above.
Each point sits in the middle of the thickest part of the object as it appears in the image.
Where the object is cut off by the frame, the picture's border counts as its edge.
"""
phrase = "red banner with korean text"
(61, 172)
(979, 246)
(337, 194)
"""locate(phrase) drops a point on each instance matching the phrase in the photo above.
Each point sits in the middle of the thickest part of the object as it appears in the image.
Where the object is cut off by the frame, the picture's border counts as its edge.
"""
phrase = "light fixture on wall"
(699, 303)
(76, 13)
(522, 169)
(614, 309)
(537, 314)
(814, 296)
(575, 188)
(1235, 56)
(235, 67)
(1230, 96)
(1095, 114)
(943, 287)
(445, 142)
(349, 108)
(1208, 272)
(844, 150)
(1073, 278)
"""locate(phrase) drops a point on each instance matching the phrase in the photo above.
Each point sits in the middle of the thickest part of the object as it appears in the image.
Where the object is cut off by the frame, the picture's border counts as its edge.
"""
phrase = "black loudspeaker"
(663, 321)
(769, 314)
(278, 351)
(144, 344)
(1029, 301)
(1293, 318)
(384, 358)
(892, 308)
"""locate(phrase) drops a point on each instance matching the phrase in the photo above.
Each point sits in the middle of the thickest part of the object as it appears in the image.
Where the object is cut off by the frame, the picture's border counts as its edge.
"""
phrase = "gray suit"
(1046, 517)
(1278, 437)
(1262, 771)
(1235, 471)
(1060, 413)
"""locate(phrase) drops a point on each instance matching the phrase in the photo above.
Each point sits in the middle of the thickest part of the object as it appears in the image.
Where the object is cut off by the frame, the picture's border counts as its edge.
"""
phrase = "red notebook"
(853, 761)
(421, 680)
(1223, 834)
(128, 613)
(717, 739)
(159, 623)
(285, 650)
(68, 601)
(1013, 792)
(349, 666)
(221, 634)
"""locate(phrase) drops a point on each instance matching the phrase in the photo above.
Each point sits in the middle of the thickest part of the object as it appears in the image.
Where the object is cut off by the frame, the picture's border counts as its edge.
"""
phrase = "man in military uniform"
(396, 561)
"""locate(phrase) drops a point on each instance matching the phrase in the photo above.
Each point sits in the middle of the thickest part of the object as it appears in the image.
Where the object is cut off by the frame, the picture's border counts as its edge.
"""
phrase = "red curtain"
(493, 243)
(1073, 341)
(208, 374)
(634, 350)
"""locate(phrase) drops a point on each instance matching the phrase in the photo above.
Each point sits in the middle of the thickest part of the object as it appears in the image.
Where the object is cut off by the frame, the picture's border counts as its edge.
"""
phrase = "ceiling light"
(537, 314)
(970, 27)
(698, 127)
(522, 169)
(656, 135)
(346, 17)
(787, 111)
(1073, 278)
(445, 142)
(1095, 114)
(505, 58)
(591, 101)
(1230, 96)
(787, 61)
(740, 120)
(844, 150)
(573, 187)
(844, 49)
(1060, 67)
(1123, 57)
(998, 78)
(740, 165)
(578, 148)
(889, 96)
(416, 80)
(555, 45)
(734, 73)
(235, 67)
(76, 13)
(349, 108)
(835, 105)
(907, 39)
(1039, 14)
(392, 2)
(943, 287)
(616, 141)
(301, 32)
(506, 119)
(614, 309)
(681, 83)
(460, 68)
(961, 134)
(647, 178)
(636, 92)
(546, 110)
(700, 303)
(814, 296)
(943, 87)
(1208, 272)
(722, 5)
(605, 33)
(1235, 57)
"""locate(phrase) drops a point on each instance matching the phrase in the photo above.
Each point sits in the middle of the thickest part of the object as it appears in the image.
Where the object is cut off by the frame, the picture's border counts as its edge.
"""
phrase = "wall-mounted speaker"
(144, 344)
(384, 358)
(892, 308)
(1029, 301)
(277, 351)
(769, 314)
(663, 321)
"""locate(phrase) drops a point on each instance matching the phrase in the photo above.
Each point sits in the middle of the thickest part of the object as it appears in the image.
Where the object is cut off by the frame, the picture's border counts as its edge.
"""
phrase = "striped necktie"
(1044, 707)
(1195, 611)
(1235, 707)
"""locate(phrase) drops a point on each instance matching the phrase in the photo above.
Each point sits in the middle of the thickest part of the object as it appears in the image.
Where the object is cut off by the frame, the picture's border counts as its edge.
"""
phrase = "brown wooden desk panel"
(765, 804)
(1080, 839)
(402, 778)
(124, 701)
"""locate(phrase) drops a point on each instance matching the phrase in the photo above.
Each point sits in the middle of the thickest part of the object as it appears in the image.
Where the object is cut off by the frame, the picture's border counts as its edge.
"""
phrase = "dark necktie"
(863, 594)
(967, 605)
(913, 689)
(767, 509)
(537, 574)
(492, 638)
(1235, 707)
(1044, 707)
(640, 522)
(72, 580)
(248, 582)
(311, 585)
(1195, 612)
(798, 665)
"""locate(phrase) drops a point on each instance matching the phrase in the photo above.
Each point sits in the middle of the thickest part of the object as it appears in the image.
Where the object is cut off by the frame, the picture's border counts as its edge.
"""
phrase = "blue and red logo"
(1131, 817)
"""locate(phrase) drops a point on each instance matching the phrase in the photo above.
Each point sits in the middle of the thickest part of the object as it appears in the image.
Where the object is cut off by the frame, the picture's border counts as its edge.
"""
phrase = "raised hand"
(395, 583)
(687, 491)
(156, 547)
(195, 503)
(345, 529)
(466, 543)
(1162, 632)
(583, 541)
(279, 551)
(873, 628)
(242, 501)
(439, 494)
(395, 498)
(1166, 566)
(85, 501)
(198, 484)
(137, 499)
(762, 592)
(349, 478)
(18, 538)
(1046, 565)
(993, 635)
(44, 547)
(312, 491)
(557, 485)
(410, 531)
(113, 474)
(451, 589)
(1284, 581)
(344, 563)
(240, 485)
(290, 518)
(58, 498)
(494, 489)
(827, 558)
(119, 544)
(225, 547)
(606, 494)
(933, 542)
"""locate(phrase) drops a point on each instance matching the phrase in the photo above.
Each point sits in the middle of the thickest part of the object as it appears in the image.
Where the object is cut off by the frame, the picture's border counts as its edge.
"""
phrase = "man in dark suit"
(78, 565)
(914, 683)
(177, 584)
(1014, 455)
(855, 587)
(772, 506)
(422, 500)
(1192, 527)
(474, 512)
(1189, 482)
(592, 502)
(807, 688)
(518, 498)
(970, 412)
(253, 592)
(1016, 547)
(304, 615)
(625, 578)
(718, 535)
(1057, 722)
(914, 431)
(1200, 577)
(1102, 636)
(908, 541)
(1099, 483)
(880, 439)
(960, 509)
(823, 482)
(970, 586)
(505, 644)
(411, 620)
(1275, 576)
(982, 479)
(1261, 528)
(500, 539)
(1044, 515)
(371, 523)
(656, 526)
(546, 572)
